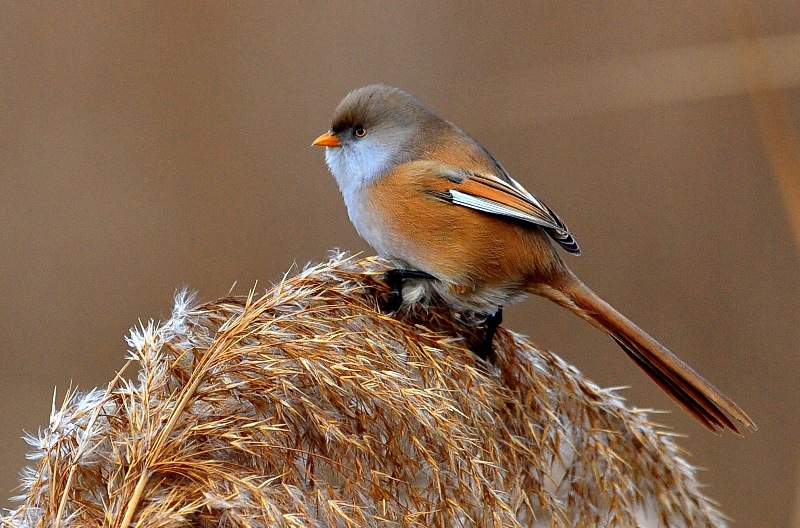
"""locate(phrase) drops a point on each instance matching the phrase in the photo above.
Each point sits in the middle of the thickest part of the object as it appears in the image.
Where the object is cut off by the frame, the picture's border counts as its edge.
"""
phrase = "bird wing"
(499, 195)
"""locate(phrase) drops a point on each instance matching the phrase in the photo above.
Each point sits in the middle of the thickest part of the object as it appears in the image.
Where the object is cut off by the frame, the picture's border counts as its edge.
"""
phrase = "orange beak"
(326, 140)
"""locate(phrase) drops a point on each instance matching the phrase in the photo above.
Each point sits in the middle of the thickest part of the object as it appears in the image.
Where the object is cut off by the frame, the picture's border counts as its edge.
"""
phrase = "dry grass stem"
(306, 406)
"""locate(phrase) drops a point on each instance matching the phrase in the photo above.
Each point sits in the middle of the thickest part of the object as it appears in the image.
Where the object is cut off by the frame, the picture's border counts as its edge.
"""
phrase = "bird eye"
(360, 132)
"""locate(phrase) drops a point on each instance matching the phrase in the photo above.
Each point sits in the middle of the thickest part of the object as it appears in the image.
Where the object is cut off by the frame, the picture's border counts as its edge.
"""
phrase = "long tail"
(699, 397)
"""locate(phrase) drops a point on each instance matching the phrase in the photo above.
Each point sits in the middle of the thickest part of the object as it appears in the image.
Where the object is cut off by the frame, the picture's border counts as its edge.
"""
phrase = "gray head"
(374, 129)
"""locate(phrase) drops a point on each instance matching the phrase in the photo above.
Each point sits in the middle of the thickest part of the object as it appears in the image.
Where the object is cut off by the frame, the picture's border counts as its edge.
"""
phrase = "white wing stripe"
(490, 206)
(515, 185)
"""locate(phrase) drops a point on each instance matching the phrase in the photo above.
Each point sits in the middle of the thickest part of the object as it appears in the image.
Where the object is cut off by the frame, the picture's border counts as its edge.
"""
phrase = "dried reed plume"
(306, 406)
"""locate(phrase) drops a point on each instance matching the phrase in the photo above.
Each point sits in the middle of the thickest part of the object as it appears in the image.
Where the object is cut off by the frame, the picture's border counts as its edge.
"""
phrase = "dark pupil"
(360, 131)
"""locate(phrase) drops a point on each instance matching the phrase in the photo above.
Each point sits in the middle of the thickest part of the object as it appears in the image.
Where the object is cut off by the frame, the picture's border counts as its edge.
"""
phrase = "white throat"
(355, 167)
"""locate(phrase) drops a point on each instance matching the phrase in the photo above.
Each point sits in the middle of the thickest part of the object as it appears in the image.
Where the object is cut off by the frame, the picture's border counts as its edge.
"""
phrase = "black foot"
(394, 278)
(492, 322)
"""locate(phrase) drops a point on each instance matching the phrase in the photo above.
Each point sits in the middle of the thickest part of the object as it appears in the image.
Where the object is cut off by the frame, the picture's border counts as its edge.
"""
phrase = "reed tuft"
(306, 406)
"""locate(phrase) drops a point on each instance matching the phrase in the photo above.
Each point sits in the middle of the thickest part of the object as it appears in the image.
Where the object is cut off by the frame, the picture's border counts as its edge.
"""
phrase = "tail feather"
(699, 407)
(686, 386)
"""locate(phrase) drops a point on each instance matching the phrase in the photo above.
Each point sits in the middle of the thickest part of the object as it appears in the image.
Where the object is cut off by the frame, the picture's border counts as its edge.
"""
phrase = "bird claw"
(492, 322)
(394, 279)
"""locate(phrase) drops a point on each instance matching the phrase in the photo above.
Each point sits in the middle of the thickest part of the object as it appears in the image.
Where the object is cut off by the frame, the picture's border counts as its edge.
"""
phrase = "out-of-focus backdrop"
(146, 147)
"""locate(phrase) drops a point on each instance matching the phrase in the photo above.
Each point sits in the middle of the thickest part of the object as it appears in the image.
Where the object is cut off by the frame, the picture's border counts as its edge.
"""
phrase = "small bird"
(432, 200)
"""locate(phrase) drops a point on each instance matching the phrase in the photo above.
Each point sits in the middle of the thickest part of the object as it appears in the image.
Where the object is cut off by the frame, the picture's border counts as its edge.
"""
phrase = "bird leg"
(394, 278)
(492, 322)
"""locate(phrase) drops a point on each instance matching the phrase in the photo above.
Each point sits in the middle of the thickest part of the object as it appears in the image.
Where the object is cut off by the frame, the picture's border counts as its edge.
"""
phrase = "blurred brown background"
(147, 147)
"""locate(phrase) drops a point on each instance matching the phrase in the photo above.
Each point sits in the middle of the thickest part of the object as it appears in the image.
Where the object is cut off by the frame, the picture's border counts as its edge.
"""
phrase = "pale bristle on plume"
(305, 406)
